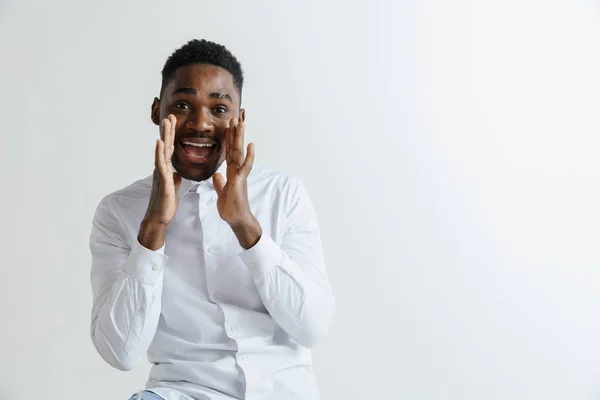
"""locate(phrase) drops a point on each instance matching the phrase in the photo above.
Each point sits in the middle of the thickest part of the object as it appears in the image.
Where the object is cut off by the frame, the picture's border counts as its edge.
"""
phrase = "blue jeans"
(146, 395)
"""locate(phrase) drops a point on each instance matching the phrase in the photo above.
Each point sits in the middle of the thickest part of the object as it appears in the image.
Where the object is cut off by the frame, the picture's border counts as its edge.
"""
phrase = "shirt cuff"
(146, 265)
(263, 257)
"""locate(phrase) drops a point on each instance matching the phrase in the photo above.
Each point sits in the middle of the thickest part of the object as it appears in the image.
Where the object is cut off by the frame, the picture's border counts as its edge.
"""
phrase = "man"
(211, 267)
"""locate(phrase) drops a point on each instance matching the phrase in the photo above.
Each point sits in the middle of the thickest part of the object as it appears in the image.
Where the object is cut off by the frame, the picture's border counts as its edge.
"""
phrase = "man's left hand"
(232, 203)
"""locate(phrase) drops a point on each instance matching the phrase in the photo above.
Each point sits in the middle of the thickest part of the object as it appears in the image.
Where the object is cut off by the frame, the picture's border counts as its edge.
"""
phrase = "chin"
(197, 175)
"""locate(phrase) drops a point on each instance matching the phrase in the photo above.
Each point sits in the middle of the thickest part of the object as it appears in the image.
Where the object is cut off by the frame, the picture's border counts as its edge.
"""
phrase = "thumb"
(219, 183)
(176, 180)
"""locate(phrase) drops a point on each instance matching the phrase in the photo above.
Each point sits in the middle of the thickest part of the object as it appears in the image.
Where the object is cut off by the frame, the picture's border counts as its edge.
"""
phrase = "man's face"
(204, 100)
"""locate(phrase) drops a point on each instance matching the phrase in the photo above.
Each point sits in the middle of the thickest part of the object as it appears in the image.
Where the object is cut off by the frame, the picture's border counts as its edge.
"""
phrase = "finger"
(230, 140)
(173, 120)
(159, 157)
(237, 151)
(248, 162)
(218, 183)
(177, 179)
(239, 137)
(165, 134)
(227, 152)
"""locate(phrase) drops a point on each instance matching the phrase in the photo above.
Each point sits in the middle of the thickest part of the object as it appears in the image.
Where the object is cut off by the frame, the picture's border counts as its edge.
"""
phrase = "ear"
(155, 111)
(242, 114)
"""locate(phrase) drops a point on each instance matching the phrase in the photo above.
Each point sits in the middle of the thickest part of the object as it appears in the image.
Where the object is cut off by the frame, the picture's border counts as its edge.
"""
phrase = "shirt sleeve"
(127, 287)
(291, 278)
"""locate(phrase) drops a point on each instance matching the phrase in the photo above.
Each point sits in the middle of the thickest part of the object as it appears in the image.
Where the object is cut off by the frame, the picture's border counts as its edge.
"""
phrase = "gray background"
(450, 149)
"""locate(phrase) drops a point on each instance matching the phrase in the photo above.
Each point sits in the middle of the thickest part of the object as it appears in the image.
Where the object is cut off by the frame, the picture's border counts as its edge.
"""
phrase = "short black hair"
(203, 52)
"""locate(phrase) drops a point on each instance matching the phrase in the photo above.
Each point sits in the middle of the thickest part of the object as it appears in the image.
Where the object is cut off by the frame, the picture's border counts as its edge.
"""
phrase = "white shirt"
(215, 320)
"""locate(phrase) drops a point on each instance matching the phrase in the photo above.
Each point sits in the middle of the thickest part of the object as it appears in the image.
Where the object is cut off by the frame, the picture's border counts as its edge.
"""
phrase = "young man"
(211, 267)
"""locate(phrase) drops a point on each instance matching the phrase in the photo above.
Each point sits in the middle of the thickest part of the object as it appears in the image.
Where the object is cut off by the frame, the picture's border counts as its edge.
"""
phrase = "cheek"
(220, 129)
(222, 123)
(163, 111)
(180, 130)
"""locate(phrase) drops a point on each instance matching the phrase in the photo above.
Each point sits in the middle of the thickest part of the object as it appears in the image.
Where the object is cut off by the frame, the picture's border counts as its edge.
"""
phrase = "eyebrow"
(192, 91)
(185, 90)
(221, 96)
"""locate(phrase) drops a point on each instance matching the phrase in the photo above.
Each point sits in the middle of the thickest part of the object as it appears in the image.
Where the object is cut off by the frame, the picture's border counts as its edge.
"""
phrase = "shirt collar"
(188, 185)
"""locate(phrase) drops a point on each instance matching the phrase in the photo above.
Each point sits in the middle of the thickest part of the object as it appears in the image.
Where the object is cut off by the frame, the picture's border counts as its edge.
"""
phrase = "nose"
(201, 121)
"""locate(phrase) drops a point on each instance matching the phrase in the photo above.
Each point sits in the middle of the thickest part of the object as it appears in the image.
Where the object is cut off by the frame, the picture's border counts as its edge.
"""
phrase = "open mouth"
(198, 150)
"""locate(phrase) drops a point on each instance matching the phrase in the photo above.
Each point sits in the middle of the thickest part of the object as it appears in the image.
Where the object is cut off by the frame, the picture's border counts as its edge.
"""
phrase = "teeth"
(199, 144)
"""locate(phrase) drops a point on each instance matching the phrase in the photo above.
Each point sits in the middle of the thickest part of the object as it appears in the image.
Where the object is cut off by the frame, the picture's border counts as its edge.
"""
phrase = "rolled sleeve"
(146, 265)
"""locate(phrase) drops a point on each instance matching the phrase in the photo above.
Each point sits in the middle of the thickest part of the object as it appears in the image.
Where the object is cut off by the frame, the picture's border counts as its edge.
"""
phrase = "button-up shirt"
(216, 321)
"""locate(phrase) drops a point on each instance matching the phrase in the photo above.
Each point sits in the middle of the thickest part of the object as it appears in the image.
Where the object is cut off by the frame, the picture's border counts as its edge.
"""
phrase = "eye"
(181, 106)
(220, 110)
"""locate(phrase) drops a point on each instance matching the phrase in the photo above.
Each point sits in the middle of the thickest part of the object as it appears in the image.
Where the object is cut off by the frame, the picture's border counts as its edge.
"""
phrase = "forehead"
(205, 78)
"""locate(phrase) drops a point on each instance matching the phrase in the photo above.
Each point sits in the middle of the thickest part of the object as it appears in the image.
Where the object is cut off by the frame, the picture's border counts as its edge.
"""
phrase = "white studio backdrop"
(450, 149)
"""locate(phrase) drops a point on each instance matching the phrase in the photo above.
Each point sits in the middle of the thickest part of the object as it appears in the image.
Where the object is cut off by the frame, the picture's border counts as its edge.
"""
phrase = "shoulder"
(129, 196)
(263, 175)
(274, 179)
(277, 185)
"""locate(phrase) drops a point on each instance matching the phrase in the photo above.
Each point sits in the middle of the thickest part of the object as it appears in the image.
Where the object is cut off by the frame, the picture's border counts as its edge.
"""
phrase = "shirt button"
(141, 310)
(252, 264)
(155, 268)
(217, 295)
(210, 249)
(243, 357)
(273, 299)
(233, 328)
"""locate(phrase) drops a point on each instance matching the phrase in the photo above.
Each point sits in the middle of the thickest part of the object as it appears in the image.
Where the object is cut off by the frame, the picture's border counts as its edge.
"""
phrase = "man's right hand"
(165, 185)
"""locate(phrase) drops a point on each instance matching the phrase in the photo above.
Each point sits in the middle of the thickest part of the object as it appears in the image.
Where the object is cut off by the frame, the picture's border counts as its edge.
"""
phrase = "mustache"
(198, 135)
